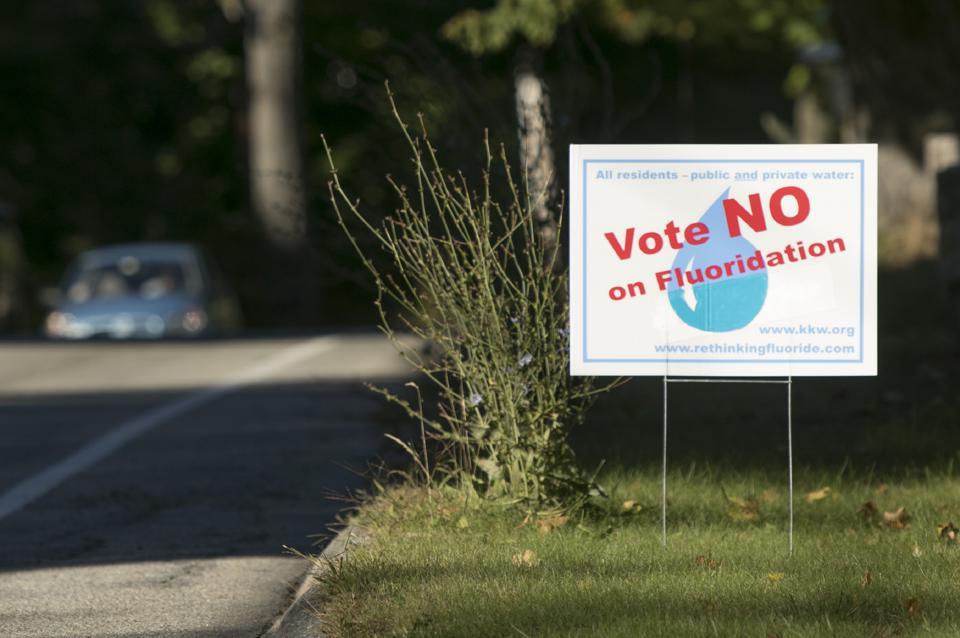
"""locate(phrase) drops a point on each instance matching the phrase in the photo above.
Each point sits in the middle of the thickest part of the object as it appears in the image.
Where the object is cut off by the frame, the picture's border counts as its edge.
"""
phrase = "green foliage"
(536, 21)
(123, 128)
(130, 118)
(794, 24)
(474, 279)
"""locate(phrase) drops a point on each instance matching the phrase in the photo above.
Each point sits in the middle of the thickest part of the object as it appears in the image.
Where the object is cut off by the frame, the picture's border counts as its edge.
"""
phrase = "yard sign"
(723, 260)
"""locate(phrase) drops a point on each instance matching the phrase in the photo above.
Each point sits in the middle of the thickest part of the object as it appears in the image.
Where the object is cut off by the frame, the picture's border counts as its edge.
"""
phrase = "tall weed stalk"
(473, 277)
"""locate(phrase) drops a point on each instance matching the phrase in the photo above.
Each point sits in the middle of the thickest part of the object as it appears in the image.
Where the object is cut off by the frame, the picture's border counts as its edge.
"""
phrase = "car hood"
(162, 306)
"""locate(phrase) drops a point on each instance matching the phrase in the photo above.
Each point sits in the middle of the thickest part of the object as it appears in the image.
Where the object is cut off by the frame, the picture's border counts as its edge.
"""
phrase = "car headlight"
(194, 320)
(154, 325)
(58, 323)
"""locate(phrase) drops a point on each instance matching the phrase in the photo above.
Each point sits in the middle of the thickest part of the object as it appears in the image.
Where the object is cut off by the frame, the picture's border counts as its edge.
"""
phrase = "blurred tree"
(273, 52)
(273, 45)
(128, 121)
(492, 30)
(904, 59)
(904, 66)
(11, 268)
(529, 27)
(123, 127)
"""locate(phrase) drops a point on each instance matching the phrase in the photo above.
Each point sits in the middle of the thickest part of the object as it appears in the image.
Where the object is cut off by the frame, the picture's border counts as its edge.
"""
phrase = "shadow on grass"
(655, 614)
(903, 421)
(649, 596)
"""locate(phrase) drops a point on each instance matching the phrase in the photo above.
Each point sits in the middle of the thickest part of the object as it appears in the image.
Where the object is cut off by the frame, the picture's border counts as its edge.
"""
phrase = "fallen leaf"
(916, 551)
(769, 495)
(866, 579)
(447, 511)
(631, 506)
(745, 509)
(708, 563)
(775, 577)
(463, 523)
(947, 532)
(880, 490)
(897, 519)
(547, 525)
(817, 495)
(912, 605)
(526, 558)
(868, 511)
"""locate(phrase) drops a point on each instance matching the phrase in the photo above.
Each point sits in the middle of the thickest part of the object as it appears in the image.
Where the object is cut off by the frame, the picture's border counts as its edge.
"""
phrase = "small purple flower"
(525, 360)
(475, 399)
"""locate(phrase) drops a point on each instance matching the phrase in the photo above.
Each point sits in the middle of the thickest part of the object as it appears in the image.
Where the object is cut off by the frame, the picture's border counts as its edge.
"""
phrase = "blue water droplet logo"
(730, 302)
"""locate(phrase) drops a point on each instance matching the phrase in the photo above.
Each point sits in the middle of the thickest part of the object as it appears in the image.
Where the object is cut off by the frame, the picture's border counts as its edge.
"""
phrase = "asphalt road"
(149, 489)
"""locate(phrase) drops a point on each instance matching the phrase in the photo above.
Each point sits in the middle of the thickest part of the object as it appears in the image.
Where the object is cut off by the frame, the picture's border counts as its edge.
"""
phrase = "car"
(141, 291)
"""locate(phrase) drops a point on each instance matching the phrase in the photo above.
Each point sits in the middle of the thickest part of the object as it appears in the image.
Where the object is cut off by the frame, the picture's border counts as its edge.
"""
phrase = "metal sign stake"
(790, 464)
(663, 477)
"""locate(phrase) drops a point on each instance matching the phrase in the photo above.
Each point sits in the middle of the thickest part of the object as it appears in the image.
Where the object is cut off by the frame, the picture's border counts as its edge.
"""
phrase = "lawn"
(439, 566)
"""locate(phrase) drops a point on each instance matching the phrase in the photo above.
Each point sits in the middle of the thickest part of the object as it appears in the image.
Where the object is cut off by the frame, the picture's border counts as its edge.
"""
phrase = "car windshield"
(128, 276)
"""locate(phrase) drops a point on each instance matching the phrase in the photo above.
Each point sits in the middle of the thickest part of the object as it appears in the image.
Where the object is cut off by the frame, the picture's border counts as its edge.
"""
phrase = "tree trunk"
(536, 154)
(11, 270)
(274, 72)
(948, 207)
(278, 194)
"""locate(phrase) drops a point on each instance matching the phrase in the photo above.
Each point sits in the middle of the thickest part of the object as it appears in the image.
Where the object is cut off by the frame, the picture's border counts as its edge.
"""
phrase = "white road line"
(29, 490)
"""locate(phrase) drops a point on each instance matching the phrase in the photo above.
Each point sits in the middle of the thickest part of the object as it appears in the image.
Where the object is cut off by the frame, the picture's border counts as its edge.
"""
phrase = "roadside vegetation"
(877, 509)
(437, 565)
(473, 272)
(521, 516)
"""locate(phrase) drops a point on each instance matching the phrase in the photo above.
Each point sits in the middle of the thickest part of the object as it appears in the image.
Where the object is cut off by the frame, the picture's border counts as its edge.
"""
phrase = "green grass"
(437, 568)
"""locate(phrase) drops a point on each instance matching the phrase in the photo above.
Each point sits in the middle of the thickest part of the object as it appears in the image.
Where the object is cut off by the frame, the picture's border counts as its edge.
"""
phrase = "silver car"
(142, 291)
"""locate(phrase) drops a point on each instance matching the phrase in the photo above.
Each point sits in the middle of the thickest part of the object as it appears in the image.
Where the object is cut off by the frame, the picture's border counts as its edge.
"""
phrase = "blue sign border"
(587, 359)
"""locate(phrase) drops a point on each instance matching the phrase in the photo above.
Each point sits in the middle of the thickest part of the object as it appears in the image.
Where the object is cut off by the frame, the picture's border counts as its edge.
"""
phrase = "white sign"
(723, 260)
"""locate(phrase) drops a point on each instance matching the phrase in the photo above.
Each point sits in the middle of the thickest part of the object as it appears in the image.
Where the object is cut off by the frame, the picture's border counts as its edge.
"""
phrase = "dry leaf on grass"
(947, 532)
(708, 563)
(866, 579)
(897, 519)
(446, 511)
(526, 558)
(912, 605)
(916, 551)
(463, 523)
(881, 489)
(744, 510)
(817, 495)
(769, 495)
(868, 511)
(631, 506)
(775, 577)
(550, 523)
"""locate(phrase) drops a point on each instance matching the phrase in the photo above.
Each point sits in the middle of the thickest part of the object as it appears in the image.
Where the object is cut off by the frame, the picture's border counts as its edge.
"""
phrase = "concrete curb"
(300, 619)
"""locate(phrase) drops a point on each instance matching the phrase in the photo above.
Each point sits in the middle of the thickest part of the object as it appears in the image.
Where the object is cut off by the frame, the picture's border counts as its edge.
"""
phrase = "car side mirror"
(50, 296)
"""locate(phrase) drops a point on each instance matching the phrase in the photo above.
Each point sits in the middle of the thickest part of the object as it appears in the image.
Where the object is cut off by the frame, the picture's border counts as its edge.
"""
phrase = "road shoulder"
(302, 619)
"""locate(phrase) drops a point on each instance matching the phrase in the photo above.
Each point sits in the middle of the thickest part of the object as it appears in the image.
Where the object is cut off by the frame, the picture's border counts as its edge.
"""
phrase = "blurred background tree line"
(201, 120)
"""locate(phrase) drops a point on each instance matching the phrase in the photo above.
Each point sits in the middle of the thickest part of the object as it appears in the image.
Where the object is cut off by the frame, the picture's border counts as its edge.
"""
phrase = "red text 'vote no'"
(697, 233)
